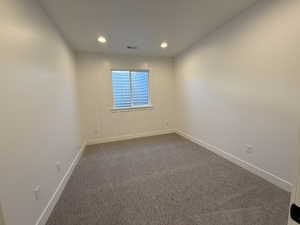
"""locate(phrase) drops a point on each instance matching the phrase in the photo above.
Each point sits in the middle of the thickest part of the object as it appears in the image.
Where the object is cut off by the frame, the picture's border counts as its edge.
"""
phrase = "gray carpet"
(165, 180)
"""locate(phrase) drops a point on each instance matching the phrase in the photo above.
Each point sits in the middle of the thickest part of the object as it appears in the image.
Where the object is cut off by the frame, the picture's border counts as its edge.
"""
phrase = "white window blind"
(130, 88)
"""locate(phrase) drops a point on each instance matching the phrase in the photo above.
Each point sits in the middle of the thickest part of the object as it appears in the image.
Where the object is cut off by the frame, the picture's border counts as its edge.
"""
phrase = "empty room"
(139, 112)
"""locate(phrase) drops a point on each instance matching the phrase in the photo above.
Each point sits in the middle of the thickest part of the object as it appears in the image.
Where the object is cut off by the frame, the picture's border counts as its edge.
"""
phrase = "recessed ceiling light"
(101, 39)
(164, 44)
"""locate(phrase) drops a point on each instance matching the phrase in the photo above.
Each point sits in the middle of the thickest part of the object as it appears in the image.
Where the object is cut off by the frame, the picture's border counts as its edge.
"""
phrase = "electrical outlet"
(36, 192)
(58, 166)
(249, 149)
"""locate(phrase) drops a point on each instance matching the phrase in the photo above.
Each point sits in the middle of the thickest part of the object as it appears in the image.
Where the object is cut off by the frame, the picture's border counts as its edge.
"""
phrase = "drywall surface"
(1, 217)
(241, 86)
(101, 123)
(38, 108)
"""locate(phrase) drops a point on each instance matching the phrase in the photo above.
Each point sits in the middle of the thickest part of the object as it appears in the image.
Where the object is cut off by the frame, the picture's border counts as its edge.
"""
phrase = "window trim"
(138, 107)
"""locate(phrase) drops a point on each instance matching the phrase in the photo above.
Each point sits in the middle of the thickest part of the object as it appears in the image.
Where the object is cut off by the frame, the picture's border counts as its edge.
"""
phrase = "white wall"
(38, 108)
(241, 85)
(1, 217)
(94, 75)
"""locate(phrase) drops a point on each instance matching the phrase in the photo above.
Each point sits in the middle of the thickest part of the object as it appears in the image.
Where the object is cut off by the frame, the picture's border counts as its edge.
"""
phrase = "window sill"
(134, 108)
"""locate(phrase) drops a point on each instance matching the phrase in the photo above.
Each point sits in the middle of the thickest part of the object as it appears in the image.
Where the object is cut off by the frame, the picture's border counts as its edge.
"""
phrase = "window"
(130, 89)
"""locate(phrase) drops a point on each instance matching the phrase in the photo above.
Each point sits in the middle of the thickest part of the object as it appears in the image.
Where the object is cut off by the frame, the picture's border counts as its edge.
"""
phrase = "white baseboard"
(283, 184)
(127, 137)
(56, 195)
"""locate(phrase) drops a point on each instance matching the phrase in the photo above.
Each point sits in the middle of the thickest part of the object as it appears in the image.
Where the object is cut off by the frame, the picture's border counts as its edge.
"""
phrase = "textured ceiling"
(144, 23)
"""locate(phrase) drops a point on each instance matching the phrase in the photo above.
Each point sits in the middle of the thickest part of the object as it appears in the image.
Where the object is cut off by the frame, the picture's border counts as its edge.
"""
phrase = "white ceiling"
(145, 23)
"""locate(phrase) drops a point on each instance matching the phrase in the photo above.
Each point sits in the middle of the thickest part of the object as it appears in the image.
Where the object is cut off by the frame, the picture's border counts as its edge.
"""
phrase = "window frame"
(142, 107)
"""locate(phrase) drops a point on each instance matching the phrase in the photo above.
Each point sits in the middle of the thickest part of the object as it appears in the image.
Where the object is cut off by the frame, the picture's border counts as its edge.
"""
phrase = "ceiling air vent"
(131, 47)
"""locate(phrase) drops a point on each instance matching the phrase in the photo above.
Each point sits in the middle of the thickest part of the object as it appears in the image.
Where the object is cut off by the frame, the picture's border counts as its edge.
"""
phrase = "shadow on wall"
(1, 216)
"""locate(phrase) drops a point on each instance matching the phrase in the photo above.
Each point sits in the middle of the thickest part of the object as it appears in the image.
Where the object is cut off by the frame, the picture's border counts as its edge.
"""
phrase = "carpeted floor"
(165, 180)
